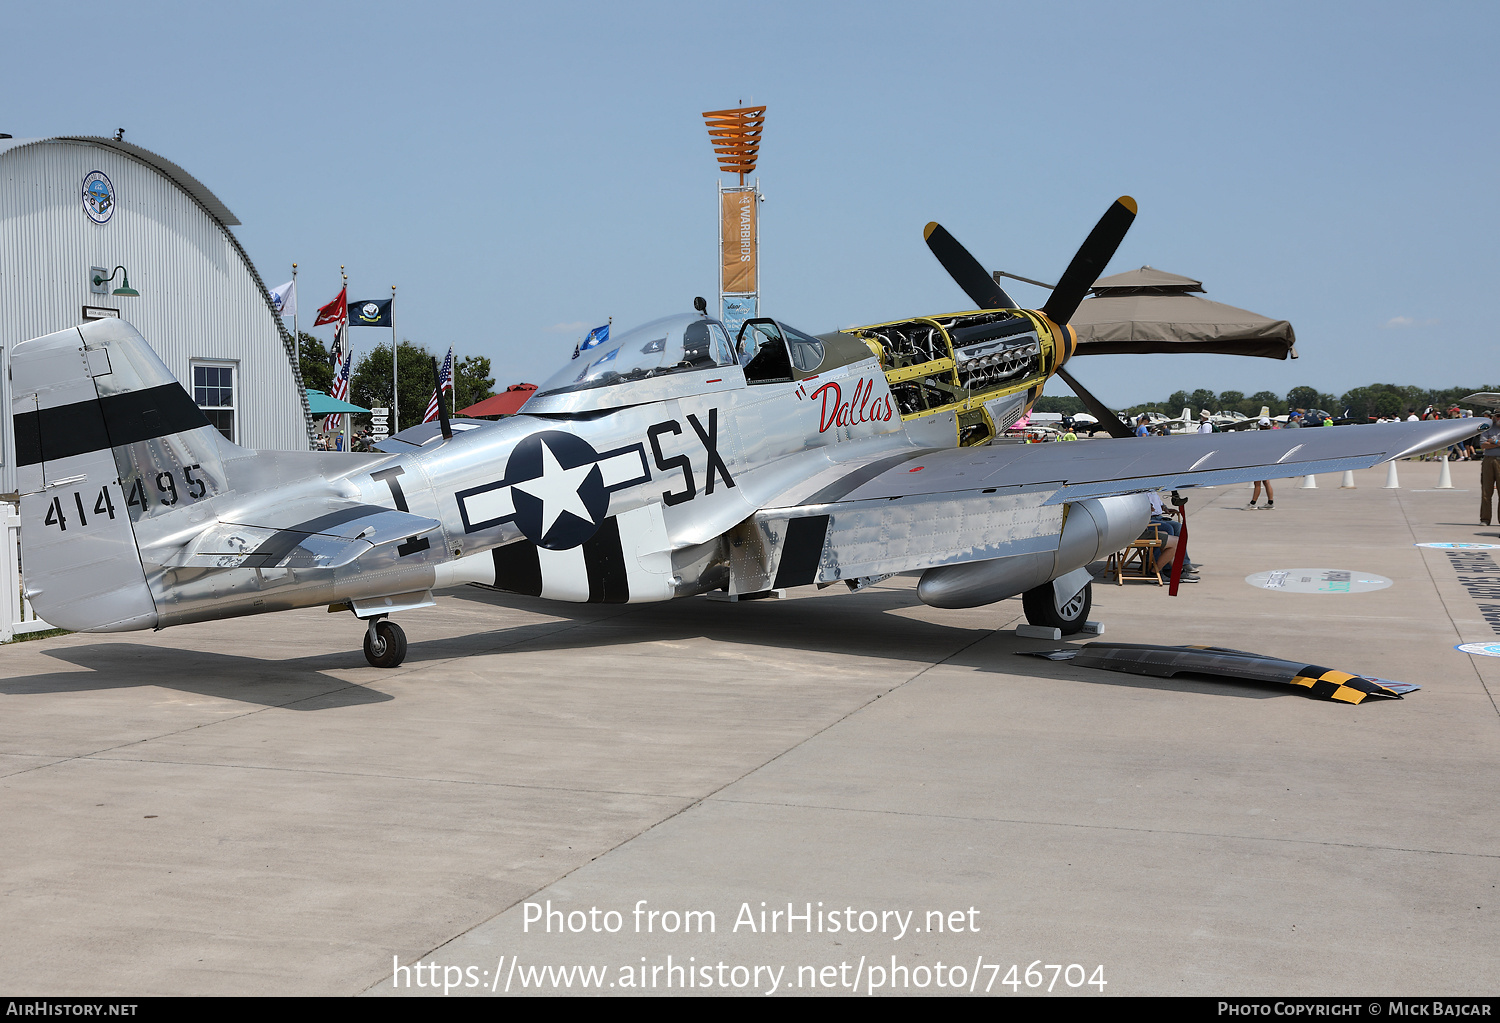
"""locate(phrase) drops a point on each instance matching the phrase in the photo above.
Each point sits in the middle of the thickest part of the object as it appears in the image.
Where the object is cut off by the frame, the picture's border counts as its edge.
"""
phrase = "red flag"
(336, 311)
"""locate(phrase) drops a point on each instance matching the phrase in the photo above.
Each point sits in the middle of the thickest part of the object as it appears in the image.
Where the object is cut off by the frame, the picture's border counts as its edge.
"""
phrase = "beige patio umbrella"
(1150, 310)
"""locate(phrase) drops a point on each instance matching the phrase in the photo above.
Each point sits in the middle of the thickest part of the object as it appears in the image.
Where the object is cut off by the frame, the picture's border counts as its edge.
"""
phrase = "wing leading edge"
(1136, 464)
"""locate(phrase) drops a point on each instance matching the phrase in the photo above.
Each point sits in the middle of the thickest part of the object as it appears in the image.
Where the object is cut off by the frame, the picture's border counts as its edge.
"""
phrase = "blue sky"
(523, 172)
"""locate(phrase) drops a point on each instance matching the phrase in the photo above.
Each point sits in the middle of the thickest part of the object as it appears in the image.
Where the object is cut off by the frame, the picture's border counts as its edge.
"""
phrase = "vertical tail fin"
(107, 441)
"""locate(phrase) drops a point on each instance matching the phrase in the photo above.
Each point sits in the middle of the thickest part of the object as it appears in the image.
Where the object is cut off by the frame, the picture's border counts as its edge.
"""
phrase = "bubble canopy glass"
(675, 344)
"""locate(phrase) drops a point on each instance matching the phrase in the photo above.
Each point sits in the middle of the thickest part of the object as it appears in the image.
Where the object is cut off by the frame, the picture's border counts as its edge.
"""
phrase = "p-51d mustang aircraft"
(671, 462)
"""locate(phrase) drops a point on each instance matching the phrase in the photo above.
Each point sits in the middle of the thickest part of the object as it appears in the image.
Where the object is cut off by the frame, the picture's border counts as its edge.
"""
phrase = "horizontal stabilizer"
(328, 541)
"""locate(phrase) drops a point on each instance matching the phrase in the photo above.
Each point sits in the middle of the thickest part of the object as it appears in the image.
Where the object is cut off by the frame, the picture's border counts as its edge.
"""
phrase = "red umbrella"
(507, 403)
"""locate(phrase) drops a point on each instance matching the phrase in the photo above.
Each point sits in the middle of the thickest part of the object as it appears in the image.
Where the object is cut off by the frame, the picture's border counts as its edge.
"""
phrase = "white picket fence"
(16, 613)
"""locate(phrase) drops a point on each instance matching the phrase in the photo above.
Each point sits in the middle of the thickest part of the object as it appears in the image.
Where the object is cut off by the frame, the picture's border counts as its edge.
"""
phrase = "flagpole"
(296, 337)
(345, 353)
(395, 397)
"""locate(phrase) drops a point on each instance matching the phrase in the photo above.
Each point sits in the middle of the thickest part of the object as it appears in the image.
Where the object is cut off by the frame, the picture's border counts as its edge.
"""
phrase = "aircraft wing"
(923, 509)
(325, 541)
(1135, 464)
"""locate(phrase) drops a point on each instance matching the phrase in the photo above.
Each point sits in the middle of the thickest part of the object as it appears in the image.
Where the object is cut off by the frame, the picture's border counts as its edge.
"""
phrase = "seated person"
(1159, 515)
(1168, 551)
(1169, 530)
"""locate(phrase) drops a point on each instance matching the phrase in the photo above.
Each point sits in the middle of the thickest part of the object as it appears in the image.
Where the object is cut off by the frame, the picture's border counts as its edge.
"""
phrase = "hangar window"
(213, 390)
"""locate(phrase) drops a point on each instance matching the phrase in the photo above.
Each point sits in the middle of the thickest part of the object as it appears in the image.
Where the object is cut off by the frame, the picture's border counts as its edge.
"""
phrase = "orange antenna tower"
(735, 135)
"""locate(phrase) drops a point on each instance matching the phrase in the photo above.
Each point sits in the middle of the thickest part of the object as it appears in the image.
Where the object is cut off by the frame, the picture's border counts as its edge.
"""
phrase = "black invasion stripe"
(518, 569)
(282, 542)
(604, 557)
(28, 438)
(801, 551)
(114, 421)
(61, 432)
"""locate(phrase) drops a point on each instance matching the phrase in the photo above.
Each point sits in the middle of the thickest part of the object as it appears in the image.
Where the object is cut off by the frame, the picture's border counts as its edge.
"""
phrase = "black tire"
(1040, 605)
(389, 648)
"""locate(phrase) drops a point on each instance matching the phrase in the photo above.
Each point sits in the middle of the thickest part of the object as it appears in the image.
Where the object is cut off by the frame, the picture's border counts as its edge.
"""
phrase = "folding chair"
(1143, 553)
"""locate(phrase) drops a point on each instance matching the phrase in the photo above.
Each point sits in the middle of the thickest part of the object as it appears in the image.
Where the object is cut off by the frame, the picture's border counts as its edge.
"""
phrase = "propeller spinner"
(1089, 262)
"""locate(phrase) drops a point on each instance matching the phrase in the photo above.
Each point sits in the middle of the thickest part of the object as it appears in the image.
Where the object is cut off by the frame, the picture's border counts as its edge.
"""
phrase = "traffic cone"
(1348, 483)
(1308, 483)
(1445, 477)
(1391, 482)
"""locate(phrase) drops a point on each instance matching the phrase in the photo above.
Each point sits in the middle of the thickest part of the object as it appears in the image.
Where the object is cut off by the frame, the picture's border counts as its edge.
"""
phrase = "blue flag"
(595, 338)
(373, 313)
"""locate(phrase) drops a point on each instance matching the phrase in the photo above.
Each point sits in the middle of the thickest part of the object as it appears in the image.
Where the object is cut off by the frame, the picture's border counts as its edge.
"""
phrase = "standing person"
(1264, 424)
(1142, 429)
(1205, 424)
(1489, 471)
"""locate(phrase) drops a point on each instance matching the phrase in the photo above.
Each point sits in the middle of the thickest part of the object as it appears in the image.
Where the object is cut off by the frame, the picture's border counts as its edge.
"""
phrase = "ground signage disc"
(1318, 580)
(1484, 649)
(1461, 546)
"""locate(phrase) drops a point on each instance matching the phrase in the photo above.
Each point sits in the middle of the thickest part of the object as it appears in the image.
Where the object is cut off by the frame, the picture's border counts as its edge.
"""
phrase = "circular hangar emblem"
(557, 488)
(98, 197)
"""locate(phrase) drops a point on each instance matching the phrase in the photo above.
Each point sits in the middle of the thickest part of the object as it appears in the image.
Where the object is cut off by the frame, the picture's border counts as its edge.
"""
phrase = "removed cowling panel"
(1166, 661)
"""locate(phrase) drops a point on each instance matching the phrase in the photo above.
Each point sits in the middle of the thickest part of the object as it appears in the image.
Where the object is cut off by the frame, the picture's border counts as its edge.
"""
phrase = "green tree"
(1233, 401)
(1065, 404)
(1269, 400)
(1381, 400)
(317, 372)
(473, 382)
(371, 385)
(1304, 398)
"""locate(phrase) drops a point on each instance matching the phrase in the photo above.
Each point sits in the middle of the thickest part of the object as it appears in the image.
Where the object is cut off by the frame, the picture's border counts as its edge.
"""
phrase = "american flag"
(445, 383)
(340, 389)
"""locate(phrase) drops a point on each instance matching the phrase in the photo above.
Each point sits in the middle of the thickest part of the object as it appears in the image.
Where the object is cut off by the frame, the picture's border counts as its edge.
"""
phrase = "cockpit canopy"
(673, 344)
(688, 354)
(667, 358)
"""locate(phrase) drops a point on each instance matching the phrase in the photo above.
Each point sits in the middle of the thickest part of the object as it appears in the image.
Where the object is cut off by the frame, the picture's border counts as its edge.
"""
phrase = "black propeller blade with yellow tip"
(1092, 257)
(1095, 253)
(966, 270)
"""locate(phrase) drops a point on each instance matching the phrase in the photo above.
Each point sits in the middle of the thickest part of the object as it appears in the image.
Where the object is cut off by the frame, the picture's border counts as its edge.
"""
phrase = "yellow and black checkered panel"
(1327, 684)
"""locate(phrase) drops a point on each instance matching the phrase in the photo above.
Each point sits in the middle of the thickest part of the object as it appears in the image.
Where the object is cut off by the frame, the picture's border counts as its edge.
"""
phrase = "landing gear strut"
(385, 643)
(1041, 607)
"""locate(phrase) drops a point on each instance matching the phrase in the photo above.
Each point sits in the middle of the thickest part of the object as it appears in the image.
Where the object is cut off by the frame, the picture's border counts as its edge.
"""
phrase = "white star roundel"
(557, 488)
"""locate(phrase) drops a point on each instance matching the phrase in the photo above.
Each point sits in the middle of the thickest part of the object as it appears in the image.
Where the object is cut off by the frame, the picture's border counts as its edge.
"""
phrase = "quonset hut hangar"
(75, 208)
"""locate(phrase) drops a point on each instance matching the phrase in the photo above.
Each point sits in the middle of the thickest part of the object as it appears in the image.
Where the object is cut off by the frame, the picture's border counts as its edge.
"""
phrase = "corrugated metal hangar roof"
(189, 184)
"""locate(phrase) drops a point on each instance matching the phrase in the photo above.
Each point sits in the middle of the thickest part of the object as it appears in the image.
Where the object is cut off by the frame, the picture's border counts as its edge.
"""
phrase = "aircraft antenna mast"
(735, 136)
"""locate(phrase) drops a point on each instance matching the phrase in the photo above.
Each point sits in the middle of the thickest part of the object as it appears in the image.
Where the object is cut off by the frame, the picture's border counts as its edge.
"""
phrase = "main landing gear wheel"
(385, 643)
(1041, 607)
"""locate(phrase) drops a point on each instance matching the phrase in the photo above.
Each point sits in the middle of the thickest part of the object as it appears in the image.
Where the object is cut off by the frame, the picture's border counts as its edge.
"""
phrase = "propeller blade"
(1097, 408)
(1093, 255)
(966, 270)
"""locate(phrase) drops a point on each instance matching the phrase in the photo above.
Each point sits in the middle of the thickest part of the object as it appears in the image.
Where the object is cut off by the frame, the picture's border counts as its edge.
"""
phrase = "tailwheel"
(1042, 608)
(385, 643)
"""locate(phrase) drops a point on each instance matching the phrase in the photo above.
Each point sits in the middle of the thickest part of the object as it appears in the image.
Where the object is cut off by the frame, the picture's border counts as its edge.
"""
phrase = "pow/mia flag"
(371, 313)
